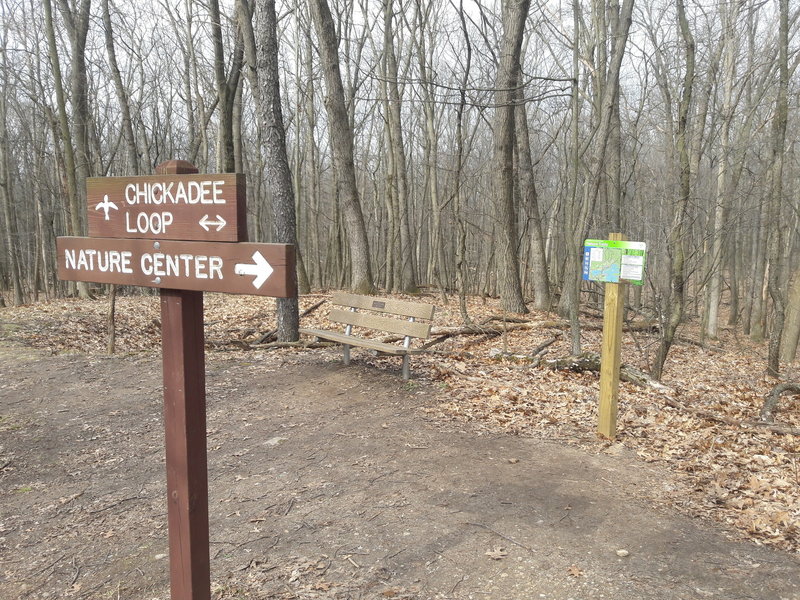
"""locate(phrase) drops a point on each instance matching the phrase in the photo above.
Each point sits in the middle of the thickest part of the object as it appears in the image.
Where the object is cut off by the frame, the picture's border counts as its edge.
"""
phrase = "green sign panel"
(610, 261)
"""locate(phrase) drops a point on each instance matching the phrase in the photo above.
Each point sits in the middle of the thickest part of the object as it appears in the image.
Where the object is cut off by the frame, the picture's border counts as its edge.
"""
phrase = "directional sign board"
(612, 261)
(258, 269)
(173, 231)
(175, 207)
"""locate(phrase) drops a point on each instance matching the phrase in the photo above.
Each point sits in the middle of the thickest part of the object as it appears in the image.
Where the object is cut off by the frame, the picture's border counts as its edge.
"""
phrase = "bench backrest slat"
(413, 329)
(385, 305)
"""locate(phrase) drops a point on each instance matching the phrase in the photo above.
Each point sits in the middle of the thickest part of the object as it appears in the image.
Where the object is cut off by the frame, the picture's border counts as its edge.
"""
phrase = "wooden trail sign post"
(183, 270)
(184, 373)
(614, 262)
(610, 355)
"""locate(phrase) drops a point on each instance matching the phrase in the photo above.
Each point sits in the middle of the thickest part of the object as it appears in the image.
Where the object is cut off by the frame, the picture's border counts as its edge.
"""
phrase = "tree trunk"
(461, 246)
(515, 13)
(341, 136)
(312, 169)
(77, 25)
(44, 248)
(73, 207)
(791, 332)
(776, 284)
(303, 283)
(614, 152)
(132, 155)
(7, 197)
(111, 324)
(757, 310)
(436, 271)
(530, 199)
(261, 43)
(725, 190)
(677, 292)
(226, 90)
(131, 166)
(406, 260)
(570, 288)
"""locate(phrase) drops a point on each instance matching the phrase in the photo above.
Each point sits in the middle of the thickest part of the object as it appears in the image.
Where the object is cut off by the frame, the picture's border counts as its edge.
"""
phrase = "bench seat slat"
(354, 341)
(385, 305)
(346, 317)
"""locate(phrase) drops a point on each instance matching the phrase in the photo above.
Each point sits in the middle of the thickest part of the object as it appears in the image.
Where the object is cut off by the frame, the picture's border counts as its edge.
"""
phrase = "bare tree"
(6, 184)
(676, 300)
(227, 84)
(77, 21)
(515, 13)
(777, 282)
(132, 154)
(341, 137)
(599, 136)
(730, 16)
(261, 46)
(74, 183)
(530, 199)
(398, 180)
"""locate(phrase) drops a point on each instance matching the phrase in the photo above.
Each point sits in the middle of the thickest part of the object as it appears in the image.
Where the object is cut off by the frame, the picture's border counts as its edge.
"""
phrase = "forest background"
(468, 147)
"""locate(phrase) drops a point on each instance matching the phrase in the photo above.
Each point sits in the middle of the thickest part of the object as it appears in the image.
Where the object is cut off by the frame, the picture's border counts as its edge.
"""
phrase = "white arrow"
(261, 269)
(205, 222)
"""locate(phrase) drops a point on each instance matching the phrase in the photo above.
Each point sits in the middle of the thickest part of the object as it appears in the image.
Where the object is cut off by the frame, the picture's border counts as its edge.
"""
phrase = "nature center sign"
(243, 268)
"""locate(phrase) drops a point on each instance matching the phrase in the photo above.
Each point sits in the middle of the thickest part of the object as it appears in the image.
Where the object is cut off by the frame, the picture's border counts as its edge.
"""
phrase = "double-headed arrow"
(261, 269)
(205, 222)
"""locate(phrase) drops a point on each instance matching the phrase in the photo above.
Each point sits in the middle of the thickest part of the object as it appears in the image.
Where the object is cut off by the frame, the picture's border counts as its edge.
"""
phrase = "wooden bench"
(380, 314)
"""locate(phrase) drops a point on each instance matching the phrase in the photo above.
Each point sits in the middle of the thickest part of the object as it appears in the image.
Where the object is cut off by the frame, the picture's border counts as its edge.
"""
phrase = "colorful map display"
(611, 261)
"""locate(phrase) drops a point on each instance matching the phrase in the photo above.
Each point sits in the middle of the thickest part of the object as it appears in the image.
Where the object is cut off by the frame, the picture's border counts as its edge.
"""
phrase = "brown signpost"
(155, 236)
(184, 374)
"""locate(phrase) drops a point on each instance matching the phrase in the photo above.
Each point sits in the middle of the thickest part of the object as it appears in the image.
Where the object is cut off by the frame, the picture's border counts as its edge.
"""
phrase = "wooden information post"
(127, 219)
(610, 354)
(614, 262)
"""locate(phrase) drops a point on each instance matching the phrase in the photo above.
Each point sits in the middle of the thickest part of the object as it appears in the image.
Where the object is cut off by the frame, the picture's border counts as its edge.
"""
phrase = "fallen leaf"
(497, 553)
(575, 571)
(322, 586)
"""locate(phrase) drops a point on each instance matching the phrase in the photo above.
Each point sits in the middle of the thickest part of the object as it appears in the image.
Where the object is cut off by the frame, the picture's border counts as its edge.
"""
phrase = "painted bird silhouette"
(105, 205)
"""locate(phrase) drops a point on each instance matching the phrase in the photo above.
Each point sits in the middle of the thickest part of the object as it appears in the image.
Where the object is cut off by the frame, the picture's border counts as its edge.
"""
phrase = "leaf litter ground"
(741, 475)
(726, 468)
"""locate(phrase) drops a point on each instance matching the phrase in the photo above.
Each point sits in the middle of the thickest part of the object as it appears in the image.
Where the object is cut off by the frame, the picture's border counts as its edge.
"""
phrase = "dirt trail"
(331, 482)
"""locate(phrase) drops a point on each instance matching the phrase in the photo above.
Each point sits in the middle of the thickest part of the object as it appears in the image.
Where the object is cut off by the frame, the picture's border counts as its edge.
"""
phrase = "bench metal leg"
(346, 354)
(406, 367)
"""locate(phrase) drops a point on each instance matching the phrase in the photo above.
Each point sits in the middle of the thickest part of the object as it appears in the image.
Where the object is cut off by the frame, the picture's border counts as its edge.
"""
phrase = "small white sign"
(634, 272)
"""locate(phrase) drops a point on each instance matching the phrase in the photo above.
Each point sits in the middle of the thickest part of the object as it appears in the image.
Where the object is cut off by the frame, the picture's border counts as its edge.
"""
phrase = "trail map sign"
(173, 207)
(614, 261)
(184, 233)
